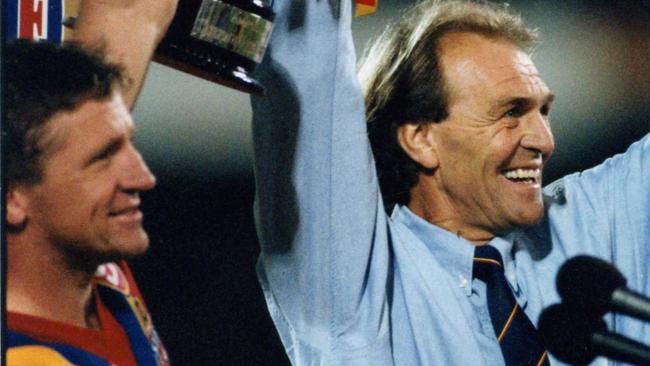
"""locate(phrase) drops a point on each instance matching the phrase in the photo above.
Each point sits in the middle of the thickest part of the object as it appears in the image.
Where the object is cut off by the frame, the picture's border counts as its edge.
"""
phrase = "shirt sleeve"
(321, 224)
(605, 211)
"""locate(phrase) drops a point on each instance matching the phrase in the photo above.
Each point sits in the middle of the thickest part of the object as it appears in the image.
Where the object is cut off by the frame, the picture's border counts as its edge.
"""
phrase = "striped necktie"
(516, 334)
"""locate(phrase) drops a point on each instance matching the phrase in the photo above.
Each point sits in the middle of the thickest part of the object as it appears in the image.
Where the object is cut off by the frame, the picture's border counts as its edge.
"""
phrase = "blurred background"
(199, 278)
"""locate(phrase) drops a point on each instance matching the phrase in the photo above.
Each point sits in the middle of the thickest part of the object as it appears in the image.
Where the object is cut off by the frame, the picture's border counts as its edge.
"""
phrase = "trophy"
(219, 40)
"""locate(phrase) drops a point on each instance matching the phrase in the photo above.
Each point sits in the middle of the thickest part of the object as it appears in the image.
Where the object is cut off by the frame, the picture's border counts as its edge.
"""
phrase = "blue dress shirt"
(348, 285)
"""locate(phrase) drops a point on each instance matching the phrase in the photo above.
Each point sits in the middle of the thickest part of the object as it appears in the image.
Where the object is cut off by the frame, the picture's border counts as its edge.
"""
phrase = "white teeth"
(522, 174)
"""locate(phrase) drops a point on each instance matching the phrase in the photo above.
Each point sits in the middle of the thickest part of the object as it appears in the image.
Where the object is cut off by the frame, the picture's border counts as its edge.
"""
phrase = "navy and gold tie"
(516, 334)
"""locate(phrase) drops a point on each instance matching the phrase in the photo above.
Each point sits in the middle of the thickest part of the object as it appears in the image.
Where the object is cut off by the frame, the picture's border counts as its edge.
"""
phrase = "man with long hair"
(452, 139)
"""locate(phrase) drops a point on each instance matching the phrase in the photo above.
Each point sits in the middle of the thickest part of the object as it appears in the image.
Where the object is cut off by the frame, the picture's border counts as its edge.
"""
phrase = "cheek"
(83, 199)
(455, 147)
(499, 150)
(69, 207)
(466, 155)
(95, 196)
(57, 213)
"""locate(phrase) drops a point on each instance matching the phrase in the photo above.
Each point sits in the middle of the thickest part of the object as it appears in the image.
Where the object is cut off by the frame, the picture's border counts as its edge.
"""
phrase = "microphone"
(595, 286)
(576, 338)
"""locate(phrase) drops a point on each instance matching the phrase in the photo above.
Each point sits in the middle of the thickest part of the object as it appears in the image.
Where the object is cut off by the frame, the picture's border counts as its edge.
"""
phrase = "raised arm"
(320, 219)
(609, 207)
(605, 211)
(129, 30)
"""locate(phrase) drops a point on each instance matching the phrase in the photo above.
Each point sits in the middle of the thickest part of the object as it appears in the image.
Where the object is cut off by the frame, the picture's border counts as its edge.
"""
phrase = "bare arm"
(129, 30)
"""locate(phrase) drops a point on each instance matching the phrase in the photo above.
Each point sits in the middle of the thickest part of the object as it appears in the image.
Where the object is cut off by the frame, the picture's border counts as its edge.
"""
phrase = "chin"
(93, 259)
(133, 248)
(131, 243)
(530, 217)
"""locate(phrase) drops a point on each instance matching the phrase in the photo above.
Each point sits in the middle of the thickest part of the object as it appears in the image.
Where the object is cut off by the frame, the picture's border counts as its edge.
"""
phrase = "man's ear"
(16, 206)
(418, 142)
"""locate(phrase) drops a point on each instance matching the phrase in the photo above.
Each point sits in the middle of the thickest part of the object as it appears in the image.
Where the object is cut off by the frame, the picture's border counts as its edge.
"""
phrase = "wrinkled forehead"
(89, 119)
(493, 67)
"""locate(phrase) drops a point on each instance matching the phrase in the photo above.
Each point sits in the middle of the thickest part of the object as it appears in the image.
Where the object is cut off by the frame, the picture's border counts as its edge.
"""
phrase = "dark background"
(199, 277)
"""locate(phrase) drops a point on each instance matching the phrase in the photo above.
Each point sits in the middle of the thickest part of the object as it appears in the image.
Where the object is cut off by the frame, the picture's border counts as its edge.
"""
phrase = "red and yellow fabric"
(365, 7)
(35, 355)
(126, 338)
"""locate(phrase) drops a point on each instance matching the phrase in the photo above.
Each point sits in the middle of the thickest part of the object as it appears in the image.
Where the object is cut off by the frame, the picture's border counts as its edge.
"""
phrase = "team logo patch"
(38, 19)
(111, 275)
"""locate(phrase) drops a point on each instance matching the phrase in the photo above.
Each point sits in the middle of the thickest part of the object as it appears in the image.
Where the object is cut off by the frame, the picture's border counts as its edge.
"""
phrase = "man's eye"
(103, 155)
(106, 153)
(513, 113)
(545, 110)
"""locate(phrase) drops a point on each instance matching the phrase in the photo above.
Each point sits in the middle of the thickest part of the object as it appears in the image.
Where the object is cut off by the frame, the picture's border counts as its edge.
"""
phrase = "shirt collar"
(454, 252)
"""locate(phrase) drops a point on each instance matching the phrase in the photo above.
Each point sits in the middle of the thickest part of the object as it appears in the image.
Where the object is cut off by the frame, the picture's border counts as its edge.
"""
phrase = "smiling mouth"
(129, 214)
(523, 176)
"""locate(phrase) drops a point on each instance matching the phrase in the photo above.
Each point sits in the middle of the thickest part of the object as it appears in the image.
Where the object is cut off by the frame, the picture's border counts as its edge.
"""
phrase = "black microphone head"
(588, 283)
(566, 333)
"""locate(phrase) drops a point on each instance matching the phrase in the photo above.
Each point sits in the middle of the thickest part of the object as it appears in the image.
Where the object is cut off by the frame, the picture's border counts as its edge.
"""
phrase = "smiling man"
(452, 141)
(496, 138)
(74, 180)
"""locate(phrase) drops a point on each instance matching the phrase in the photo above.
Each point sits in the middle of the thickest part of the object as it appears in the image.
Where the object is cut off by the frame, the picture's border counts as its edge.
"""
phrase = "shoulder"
(35, 355)
(23, 350)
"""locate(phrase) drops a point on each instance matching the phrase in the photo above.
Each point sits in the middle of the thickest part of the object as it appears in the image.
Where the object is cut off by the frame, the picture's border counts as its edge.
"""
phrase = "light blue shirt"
(348, 285)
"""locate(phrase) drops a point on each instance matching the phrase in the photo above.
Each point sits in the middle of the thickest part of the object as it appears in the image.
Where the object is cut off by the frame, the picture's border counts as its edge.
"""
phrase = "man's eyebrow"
(523, 101)
(107, 149)
(550, 97)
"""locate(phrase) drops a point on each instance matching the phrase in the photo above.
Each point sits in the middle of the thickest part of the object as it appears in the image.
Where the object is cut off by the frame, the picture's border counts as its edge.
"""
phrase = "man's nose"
(136, 174)
(538, 135)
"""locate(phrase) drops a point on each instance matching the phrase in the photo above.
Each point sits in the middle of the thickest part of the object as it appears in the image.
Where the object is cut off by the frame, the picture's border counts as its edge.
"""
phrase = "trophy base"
(235, 77)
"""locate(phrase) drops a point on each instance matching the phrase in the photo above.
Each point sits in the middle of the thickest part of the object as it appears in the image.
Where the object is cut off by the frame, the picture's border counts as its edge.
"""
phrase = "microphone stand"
(618, 347)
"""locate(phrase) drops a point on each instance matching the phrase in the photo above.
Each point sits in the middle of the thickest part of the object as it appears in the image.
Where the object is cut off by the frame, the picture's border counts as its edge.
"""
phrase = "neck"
(436, 209)
(39, 283)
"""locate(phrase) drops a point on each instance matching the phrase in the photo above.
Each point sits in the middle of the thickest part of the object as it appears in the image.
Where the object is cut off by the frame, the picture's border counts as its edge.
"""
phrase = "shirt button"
(512, 277)
(462, 282)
